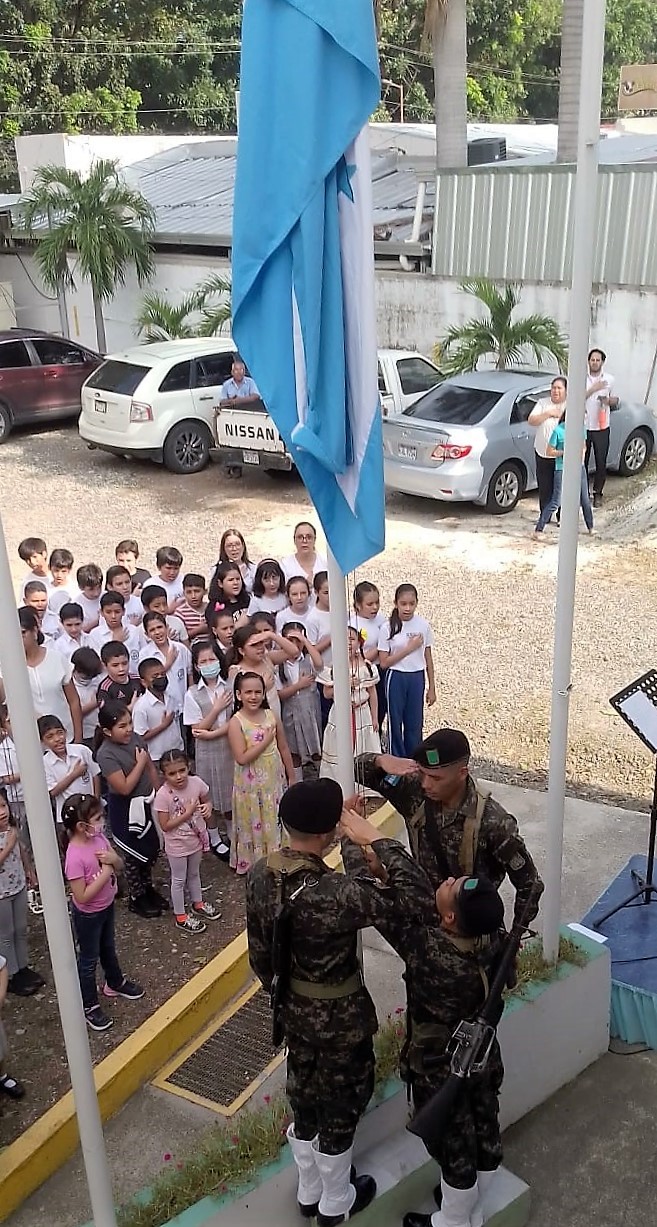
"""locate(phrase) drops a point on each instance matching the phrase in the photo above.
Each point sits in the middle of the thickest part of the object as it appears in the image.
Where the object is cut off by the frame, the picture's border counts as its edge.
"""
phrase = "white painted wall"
(413, 311)
(79, 152)
(7, 310)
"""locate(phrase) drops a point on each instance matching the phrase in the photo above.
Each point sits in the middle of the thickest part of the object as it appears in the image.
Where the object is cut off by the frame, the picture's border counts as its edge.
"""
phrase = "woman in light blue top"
(555, 448)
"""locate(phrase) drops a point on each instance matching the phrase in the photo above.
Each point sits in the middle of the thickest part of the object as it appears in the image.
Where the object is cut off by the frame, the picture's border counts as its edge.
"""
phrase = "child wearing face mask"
(91, 867)
(154, 715)
(207, 709)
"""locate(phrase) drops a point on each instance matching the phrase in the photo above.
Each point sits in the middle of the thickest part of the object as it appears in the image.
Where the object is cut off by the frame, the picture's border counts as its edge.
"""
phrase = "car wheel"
(5, 423)
(635, 453)
(504, 489)
(187, 448)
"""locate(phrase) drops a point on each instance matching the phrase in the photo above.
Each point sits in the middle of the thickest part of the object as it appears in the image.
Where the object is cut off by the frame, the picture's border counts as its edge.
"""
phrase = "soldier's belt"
(326, 992)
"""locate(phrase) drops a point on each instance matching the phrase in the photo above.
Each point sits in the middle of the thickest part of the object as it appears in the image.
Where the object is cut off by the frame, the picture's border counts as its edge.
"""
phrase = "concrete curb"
(51, 1140)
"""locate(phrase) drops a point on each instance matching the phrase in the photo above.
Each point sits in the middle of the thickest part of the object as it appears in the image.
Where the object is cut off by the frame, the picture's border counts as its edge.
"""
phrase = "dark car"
(40, 377)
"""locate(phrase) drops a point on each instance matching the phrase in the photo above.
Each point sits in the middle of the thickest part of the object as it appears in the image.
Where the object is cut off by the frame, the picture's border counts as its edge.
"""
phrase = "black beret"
(479, 908)
(312, 807)
(443, 748)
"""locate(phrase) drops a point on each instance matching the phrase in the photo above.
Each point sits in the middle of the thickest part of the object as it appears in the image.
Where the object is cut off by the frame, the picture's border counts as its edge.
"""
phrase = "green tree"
(107, 224)
(202, 313)
(498, 335)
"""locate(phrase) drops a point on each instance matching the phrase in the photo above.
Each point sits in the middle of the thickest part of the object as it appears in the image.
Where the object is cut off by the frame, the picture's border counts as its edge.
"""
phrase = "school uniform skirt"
(215, 765)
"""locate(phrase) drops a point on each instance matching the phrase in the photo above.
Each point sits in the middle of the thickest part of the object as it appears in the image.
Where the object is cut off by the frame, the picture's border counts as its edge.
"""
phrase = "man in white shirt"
(600, 400)
(154, 714)
(239, 390)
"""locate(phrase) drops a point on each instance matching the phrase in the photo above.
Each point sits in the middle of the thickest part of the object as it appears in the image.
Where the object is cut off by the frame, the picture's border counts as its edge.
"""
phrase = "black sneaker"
(142, 906)
(33, 977)
(129, 989)
(221, 851)
(97, 1020)
(21, 985)
(157, 899)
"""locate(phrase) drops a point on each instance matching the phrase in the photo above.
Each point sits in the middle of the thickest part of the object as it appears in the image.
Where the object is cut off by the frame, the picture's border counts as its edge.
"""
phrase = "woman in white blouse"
(545, 415)
(305, 560)
(51, 674)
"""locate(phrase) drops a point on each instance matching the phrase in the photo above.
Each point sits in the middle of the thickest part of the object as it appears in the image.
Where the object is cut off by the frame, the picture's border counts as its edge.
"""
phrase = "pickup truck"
(249, 436)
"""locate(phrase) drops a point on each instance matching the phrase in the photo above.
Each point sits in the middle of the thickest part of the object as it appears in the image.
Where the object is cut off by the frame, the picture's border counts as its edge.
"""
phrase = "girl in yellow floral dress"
(258, 744)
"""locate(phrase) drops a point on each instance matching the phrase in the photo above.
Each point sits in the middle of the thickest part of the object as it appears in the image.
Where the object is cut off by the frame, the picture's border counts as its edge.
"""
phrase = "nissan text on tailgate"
(249, 436)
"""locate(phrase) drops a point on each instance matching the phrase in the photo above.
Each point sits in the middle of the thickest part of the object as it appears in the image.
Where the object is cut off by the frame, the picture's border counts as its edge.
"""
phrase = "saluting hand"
(359, 830)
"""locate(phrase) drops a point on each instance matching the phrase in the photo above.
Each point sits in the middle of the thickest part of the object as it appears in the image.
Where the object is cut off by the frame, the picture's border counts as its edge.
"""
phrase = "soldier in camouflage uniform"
(454, 828)
(449, 942)
(327, 1014)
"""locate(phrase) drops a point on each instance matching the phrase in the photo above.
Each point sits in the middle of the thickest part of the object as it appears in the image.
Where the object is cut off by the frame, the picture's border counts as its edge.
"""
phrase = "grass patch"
(229, 1156)
(533, 969)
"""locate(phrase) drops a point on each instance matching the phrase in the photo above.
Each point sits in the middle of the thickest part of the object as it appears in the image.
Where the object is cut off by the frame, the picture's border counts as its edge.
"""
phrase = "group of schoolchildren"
(234, 679)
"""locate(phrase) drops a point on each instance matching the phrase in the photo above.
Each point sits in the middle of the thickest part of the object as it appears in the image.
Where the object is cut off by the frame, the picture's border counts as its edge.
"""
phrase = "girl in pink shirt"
(91, 866)
(182, 806)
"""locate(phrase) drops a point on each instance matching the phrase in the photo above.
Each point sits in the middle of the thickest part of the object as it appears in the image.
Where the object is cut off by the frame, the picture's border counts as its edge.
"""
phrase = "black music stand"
(637, 704)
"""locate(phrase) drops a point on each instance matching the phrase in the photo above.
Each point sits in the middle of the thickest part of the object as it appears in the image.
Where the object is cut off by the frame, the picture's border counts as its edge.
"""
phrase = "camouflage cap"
(312, 807)
(442, 748)
(479, 907)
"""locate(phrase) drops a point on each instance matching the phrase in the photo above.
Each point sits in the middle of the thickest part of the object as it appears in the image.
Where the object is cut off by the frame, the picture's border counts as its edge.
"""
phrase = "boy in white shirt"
(111, 627)
(33, 551)
(72, 635)
(154, 600)
(90, 583)
(70, 768)
(35, 597)
(169, 560)
(154, 716)
(176, 658)
(88, 672)
(118, 580)
(63, 587)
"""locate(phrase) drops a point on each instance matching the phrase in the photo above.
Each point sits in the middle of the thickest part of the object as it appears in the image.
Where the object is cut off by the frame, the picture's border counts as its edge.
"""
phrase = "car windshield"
(451, 402)
(121, 377)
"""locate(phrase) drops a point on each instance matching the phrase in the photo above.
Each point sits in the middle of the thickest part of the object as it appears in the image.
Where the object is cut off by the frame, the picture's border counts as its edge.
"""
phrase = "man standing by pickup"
(237, 391)
(600, 400)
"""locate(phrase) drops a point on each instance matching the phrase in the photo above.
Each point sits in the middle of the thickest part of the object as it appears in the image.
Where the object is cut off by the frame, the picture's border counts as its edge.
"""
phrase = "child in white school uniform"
(35, 597)
(154, 715)
(88, 673)
(118, 580)
(33, 551)
(63, 587)
(175, 657)
(169, 560)
(405, 642)
(90, 584)
(112, 628)
(70, 768)
(72, 635)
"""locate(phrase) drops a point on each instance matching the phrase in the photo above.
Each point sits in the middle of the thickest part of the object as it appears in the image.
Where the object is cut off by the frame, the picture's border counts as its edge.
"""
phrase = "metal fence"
(516, 223)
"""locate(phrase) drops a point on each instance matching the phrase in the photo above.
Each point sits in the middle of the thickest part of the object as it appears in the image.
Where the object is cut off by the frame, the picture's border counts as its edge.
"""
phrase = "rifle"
(281, 959)
(470, 1045)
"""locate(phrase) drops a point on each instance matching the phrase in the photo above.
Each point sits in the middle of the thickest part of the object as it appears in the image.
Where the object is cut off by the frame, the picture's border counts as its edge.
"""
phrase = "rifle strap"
(470, 839)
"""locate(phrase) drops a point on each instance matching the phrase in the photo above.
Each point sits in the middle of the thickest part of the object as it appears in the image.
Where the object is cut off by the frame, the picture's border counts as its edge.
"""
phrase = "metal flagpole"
(55, 912)
(341, 676)
(584, 239)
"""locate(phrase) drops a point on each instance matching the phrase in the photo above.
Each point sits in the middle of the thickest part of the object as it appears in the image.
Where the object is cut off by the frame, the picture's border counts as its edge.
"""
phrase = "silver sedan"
(468, 440)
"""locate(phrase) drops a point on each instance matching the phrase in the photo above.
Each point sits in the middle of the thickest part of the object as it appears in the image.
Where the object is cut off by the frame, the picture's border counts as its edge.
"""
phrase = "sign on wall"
(638, 88)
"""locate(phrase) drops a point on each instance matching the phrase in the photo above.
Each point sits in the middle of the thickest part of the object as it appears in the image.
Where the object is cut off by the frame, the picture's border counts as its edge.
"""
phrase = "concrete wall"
(413, 311)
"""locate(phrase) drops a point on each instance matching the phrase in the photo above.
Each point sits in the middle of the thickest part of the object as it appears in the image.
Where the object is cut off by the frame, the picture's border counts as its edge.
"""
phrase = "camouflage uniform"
(436, 835)
(330, 1067)
(446, 981)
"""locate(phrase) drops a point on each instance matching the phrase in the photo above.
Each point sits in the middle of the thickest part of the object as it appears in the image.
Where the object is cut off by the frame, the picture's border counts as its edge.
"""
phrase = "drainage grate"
(222, 1069)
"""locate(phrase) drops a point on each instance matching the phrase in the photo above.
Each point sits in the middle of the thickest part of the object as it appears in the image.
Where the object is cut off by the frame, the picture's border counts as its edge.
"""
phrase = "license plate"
(251, 457)
(407, 453)
(100, 406)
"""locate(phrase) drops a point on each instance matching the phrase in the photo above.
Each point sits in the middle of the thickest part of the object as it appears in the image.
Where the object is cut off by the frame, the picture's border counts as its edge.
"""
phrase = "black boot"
(365, 1187)
(158, 900)
(142, 906)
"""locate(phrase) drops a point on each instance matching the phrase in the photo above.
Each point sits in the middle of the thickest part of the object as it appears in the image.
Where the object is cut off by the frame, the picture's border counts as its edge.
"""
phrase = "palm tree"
(498, 335)
(201, 313)
(572, 27)
(108, 224)
(446, 28)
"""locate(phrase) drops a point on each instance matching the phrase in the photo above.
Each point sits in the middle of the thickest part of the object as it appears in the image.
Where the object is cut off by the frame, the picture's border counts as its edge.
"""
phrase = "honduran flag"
(303, 260)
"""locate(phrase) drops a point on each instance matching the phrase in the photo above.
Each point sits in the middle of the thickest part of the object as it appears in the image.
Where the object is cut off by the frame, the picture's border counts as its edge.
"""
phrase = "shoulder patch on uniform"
(516, 862)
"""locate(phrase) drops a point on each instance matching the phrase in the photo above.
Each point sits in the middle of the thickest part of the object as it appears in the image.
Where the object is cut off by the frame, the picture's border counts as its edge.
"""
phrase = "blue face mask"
(211, 670)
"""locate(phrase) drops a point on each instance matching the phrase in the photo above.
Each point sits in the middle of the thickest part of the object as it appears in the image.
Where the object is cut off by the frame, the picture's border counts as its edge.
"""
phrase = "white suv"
(157, 401)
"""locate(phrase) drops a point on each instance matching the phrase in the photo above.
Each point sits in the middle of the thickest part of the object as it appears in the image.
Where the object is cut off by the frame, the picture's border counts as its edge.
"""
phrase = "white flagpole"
(584, 239)
(55, 912)
(341, 676)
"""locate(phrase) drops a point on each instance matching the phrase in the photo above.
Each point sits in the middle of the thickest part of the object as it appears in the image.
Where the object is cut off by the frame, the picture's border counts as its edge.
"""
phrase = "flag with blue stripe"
(303, 261)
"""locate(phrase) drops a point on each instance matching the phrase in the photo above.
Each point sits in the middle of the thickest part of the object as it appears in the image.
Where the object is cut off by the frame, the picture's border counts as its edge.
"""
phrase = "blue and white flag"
(303, 260)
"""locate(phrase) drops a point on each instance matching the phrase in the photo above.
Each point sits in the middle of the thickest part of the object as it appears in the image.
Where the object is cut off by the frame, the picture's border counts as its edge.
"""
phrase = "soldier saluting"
(302, 924)
(454, 828)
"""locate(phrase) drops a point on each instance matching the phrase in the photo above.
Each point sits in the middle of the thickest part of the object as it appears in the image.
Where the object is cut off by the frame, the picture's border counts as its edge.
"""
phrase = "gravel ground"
(486, 586)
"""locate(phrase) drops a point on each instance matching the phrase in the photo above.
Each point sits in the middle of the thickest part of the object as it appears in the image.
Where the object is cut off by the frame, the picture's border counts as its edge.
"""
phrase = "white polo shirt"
(147, 713)
(177, 674)
(414, 662)
(288, 615)
(172, 587)
(56, 768)
(67, 645)
(102, 635)
(319, 625)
